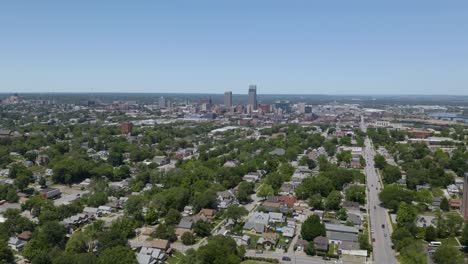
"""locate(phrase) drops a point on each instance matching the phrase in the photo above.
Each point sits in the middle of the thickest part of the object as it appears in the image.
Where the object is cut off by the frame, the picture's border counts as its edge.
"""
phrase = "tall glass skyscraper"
(228, 99)
(253, 97)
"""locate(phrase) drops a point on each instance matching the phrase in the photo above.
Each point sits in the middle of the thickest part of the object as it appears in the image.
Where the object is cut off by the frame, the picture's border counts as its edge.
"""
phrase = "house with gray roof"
(258, 222)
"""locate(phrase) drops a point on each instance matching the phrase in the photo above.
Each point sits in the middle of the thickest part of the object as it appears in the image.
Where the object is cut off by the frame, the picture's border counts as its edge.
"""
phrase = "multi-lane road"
(380, 226)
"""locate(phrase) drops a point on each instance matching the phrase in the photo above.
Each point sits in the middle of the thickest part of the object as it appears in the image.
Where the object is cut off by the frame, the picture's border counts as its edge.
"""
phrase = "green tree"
(448, 255)
(356, 193)
(165, 231)
(444, 204)
(454, 223)
(151, 217)
(341, 214)
(333, 200)
(202, 228)
(310, 249)
(430, 233)
(379, 161)
(364, 242)
(235, 212)
(22, 181)
(406, 216)
(117, 255)
(42, 182)
(391, 174)
(188, 238)
(393, 194)
(220, 249)
(173, 217)
(312, 228)
(316, 202)
(6, 255)
(265, 190)
(244, 191)
(464, 236)
(11, 195)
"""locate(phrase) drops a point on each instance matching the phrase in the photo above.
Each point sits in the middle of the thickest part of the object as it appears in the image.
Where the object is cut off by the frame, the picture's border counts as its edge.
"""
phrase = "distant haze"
(284, 47)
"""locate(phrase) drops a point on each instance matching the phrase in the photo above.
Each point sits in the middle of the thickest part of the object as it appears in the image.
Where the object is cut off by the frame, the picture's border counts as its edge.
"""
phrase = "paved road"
(382, 250)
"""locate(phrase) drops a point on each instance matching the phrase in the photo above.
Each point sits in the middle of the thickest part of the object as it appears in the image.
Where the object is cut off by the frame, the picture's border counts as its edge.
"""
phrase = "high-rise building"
(253, 97)
(162, 102)
(284, 105)
(228, 99)
(464, 207)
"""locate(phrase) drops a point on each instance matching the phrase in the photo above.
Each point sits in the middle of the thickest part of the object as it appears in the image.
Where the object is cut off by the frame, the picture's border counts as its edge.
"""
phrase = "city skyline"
(296, 48)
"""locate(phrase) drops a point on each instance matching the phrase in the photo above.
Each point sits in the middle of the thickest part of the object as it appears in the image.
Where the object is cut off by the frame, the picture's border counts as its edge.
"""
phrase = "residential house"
(350, 206)
(50, 193)
(301, 244)
(321, 243)
(277, 152)
(354, 218)
(225, 198)
(354, 256)
(76, 220)
(257, 223)
(25, 235)
(161, 160)
(209, 214)
(340, 233)
(268, 240)
(288, 231)
(275, 218)
(188, 210)
(230, 164)
(348, 245)
(425, 221)
(452, 189)
(91, 211)
(16, 243)
(436, 202)
(243, 240)
(455, 203)
(148, 255)
(287, 188)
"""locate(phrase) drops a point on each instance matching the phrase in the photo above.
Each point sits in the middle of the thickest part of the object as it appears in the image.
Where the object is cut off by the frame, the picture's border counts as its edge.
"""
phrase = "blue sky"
(305, 47)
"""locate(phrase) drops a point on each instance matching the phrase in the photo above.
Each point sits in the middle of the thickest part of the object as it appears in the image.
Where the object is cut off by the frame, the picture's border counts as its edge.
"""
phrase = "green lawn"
(332, 249)
(437, 192)
(450, 241)
(174, 259)
(253, 241)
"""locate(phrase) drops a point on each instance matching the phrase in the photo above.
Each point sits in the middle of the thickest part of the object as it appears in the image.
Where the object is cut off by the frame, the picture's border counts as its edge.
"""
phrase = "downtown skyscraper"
(253, 97)
(228, 99)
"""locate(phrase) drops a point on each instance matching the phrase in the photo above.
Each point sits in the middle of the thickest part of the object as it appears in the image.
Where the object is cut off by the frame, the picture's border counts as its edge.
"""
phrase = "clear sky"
(307, 47)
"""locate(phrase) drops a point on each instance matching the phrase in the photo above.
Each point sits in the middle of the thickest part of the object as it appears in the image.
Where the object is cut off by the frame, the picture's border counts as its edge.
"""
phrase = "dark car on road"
(285, 258)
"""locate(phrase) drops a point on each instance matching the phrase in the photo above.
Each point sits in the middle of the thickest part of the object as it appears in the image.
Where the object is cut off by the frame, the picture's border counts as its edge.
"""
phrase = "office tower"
(162, 102)
(228, 99)
(464, 207)
(253, 97)
(284, 105)
(301, 108)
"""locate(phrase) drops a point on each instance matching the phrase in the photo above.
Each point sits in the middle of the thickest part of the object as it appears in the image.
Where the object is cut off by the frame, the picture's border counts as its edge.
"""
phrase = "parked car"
(259, 251)
(285, 258)
(326, 258)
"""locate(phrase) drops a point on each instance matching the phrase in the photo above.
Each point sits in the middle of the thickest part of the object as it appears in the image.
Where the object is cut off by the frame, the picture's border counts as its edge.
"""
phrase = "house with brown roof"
(455, 203)
(268, 240)
(207, 213)
(25, 235)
